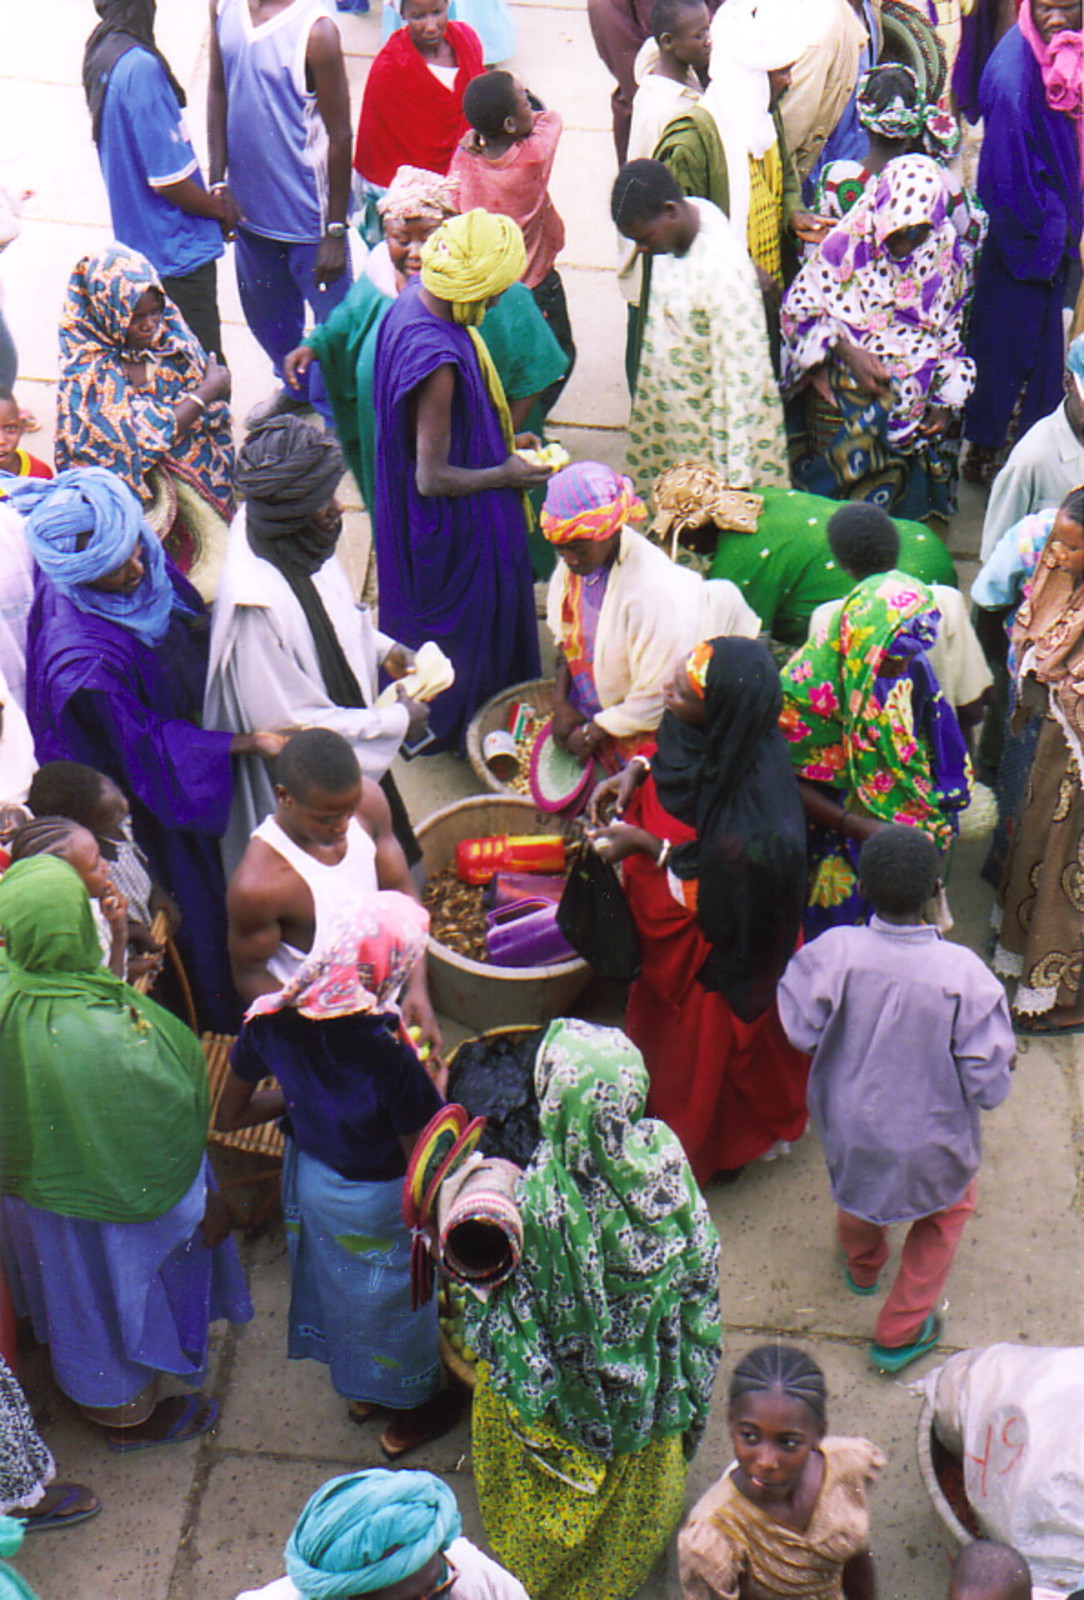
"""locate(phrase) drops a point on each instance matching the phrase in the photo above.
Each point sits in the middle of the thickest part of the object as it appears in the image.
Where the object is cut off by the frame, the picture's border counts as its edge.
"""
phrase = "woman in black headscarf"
(712, 834)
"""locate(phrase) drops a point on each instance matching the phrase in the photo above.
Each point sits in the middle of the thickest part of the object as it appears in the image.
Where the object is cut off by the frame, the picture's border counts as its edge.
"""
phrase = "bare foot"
(172, 1421)
(363, 1410)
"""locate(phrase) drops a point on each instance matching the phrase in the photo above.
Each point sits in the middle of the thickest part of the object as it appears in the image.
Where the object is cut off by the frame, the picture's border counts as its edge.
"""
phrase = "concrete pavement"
(202, 1521)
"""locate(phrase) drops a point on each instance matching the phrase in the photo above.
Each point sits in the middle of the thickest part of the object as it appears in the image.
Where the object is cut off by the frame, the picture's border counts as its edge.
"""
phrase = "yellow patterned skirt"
(567, 1525)
(765, 226)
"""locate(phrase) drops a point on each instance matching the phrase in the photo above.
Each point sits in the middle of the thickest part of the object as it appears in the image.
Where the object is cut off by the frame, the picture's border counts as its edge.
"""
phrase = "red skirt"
(729, 1089)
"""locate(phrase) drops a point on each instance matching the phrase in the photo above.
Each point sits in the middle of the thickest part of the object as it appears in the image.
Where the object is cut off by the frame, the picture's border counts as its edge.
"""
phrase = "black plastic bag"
(594, 917)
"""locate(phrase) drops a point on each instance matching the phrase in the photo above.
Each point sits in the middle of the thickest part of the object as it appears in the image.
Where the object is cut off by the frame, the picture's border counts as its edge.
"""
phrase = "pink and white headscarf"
(373, 948)
(1061, 63)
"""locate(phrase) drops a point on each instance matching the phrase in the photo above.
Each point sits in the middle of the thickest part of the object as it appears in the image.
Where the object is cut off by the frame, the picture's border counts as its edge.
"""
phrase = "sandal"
(860, 1288)
(363, 1411)
(894, 1357)
(410, 1429)
(198, 1413)
(65, 1510)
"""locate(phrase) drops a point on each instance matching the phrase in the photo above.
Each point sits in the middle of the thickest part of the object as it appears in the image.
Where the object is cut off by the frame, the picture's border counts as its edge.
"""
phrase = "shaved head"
(986, 1570)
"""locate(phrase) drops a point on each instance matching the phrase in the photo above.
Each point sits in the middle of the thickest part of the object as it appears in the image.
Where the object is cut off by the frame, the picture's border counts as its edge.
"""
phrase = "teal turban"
(12, 1587)
(368, 1529)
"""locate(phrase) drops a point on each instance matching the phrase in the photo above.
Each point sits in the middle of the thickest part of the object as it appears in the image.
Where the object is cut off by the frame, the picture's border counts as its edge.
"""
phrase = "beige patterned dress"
(705, 389)
(729, 1546)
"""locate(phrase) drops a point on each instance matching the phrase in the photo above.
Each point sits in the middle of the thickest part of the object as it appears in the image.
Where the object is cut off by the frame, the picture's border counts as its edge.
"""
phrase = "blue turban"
(368, 1529)
(12, 1586)
(92, 500)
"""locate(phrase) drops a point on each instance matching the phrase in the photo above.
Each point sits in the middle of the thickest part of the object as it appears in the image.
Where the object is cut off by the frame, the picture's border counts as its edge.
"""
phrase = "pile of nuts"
(457, 913)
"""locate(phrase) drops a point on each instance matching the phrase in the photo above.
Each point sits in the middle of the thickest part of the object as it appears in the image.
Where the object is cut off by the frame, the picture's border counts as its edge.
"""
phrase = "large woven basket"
(538, 693)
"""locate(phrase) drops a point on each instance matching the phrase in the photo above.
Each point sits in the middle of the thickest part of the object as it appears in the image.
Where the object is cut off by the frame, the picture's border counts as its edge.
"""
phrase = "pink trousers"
(925, 1261)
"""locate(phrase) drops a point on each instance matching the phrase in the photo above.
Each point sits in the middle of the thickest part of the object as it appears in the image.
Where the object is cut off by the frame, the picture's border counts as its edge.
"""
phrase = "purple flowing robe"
(97, 694)
(1029, 182)
(453, 568)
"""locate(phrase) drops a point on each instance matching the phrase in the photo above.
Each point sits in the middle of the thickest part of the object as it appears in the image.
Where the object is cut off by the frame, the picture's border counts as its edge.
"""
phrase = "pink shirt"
(516, 185)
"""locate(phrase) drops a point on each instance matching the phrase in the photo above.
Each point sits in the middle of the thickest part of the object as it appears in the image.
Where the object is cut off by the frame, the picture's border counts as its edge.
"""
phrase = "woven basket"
(463, 1370)
(538, 693)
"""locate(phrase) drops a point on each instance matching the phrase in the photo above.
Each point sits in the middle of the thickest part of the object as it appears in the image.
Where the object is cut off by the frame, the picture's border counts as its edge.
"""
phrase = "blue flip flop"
(59, 1516)
(893, 1358)
(181, 1430)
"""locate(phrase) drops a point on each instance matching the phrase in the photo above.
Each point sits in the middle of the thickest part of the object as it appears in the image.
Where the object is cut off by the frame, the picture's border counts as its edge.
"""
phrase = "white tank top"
(330, 886)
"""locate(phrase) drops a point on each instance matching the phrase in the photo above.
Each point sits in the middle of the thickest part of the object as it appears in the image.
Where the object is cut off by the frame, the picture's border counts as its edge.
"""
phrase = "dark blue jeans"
(275, 280)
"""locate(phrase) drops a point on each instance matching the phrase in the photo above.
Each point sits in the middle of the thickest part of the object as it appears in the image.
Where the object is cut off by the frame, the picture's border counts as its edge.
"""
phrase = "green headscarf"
(611, 1327)
(103, 1094)
(848, 724)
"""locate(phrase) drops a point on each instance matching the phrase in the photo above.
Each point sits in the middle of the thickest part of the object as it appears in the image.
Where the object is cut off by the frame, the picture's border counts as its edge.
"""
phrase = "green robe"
(786, 569)
(691, 147)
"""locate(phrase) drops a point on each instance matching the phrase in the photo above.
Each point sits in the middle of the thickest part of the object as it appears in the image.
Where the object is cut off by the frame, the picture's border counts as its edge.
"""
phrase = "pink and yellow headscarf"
(588, 501)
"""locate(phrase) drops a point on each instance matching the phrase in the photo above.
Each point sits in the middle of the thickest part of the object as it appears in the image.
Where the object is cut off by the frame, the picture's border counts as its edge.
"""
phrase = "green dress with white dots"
(786, 569)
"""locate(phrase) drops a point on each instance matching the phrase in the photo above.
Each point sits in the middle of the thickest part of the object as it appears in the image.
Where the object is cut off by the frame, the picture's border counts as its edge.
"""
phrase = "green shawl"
(841, 731)
(691, 147)
(526, 354)
(103, 1094)
(611, 1328)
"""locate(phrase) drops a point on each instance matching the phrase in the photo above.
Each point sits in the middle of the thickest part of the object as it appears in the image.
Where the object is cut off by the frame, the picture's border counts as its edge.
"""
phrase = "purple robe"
(454, 568)
(1029, 182)
(95, 693)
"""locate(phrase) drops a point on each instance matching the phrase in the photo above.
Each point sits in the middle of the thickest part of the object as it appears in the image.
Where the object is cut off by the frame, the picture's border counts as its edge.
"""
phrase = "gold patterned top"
(729, 1546)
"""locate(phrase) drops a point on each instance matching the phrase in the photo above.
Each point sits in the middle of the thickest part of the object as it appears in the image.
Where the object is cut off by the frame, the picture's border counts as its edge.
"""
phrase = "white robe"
(652, 614)
(264, 674)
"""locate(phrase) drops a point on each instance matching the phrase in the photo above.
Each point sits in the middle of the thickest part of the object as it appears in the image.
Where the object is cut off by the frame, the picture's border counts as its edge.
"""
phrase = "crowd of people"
(791, 711)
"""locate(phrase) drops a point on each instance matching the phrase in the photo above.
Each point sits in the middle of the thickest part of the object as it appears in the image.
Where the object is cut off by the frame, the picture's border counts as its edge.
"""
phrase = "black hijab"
(125, 25)
(732, 781)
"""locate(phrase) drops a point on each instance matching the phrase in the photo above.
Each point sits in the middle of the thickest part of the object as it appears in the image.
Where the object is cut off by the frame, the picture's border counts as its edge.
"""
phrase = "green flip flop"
(893, 1358)
(860, 1288)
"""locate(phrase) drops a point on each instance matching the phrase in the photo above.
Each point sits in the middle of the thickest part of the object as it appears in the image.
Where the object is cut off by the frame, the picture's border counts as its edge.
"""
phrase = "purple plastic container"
(525, 934)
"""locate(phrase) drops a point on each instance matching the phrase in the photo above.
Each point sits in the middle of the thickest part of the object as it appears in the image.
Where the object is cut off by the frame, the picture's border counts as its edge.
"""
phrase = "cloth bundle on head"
(12, 1585)
(694, 494)
(1061, 63)
(609, 1330)
(90, 500)
(939, 132)
(368, 1530)
(415, 194)
(731, 779)
(588, 501)
(125, 25)
(470, 259)
(373, 946)
(749, 39)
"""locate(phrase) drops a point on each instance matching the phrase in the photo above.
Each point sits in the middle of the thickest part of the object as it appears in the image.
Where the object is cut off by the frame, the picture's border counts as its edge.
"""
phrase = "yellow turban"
(470, 259)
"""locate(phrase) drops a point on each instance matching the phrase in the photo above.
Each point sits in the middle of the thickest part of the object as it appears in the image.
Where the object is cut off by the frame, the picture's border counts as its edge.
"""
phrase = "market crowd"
(762, 653)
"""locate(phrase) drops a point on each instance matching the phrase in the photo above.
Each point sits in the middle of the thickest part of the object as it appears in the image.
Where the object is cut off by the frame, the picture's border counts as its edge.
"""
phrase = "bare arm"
(254, 936)
(243, 1105)
(327, 74)
(434, 474)
(828, 813)
(217, 144)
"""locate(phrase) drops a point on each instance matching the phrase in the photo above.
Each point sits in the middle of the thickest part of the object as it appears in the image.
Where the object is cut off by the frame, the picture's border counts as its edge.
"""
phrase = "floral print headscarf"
(611, 1328)
(908, 312)
(863, 711)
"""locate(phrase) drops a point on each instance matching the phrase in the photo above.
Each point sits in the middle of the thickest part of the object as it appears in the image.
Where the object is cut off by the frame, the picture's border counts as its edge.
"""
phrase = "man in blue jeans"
(278, 125)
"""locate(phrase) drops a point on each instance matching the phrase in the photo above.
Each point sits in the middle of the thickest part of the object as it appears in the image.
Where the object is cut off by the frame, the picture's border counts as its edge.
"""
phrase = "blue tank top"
(277, 139)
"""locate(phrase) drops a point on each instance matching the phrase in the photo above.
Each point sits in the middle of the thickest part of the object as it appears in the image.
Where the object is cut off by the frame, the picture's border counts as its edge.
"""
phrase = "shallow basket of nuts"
(536, 696)
(473, 991)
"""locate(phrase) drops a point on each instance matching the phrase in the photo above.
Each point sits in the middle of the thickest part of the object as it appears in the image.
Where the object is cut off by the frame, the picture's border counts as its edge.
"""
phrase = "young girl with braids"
(788, 1517)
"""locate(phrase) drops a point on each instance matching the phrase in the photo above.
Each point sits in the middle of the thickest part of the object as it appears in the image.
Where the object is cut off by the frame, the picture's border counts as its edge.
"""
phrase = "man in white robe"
(291, 647)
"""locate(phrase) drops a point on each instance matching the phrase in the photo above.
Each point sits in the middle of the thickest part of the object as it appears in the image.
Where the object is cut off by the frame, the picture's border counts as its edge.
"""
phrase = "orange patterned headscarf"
(697, 666)
(588, 501)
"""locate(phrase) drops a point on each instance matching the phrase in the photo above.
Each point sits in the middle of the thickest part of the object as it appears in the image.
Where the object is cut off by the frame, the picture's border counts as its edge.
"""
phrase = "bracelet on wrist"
(641, 761)
(664, 854)
(220, 187)
(335, 230)
(196, 399)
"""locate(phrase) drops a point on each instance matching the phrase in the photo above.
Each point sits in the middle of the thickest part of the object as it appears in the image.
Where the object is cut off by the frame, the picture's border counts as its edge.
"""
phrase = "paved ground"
(203, 1521)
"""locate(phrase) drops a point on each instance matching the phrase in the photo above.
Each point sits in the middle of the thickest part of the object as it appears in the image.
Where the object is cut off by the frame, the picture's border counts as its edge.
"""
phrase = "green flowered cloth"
(850, 713)
(611, 1327)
